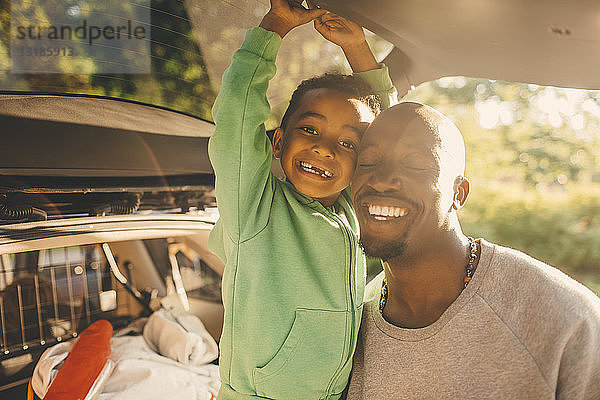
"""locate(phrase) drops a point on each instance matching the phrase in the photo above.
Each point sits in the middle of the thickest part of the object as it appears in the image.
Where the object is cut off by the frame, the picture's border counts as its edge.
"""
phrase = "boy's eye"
(348, 145)
(309, 130)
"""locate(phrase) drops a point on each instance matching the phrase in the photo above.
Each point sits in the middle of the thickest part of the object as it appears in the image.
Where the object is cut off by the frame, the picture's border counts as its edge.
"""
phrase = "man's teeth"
(315, 170)
(383, 213)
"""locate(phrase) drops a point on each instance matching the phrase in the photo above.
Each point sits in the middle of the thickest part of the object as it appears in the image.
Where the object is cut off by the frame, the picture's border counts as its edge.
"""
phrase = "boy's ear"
(277, 142)
(462, 187)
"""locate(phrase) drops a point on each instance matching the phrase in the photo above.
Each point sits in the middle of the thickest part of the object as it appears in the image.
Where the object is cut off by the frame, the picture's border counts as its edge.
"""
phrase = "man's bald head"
(447, 138)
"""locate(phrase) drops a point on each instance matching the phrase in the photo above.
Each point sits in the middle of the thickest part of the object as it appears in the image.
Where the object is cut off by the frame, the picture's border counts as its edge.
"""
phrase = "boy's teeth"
(383, 213)
(315, 170)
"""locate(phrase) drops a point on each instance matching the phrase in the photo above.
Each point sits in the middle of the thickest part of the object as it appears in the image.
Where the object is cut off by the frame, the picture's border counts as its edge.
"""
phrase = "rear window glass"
(69, 47)
(177, 77)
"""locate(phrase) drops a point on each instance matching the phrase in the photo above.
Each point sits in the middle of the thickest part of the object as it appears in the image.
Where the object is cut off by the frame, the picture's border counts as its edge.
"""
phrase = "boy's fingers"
(334, 17)
(328, 23)
(317, 25)
(334, 24)
(309, 15)
(328, 16)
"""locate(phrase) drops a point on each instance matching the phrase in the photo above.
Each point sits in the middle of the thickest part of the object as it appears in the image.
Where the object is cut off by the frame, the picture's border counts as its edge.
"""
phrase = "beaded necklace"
(469, 269)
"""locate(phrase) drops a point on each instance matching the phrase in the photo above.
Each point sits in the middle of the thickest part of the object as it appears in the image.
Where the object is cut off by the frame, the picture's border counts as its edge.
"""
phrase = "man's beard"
(385, 251)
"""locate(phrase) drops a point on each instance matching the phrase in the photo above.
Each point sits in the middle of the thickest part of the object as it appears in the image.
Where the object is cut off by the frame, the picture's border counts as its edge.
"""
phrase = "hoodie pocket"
(311, 355)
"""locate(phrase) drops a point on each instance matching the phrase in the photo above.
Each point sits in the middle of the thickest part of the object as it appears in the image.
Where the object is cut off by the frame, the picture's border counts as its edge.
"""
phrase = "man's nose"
(385, 179)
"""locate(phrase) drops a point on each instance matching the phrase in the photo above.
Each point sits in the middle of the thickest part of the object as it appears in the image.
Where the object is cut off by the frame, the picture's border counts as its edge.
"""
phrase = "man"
(451, 317)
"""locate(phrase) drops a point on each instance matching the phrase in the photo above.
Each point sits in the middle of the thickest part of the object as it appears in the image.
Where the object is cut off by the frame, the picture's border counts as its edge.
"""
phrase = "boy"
(294, 278)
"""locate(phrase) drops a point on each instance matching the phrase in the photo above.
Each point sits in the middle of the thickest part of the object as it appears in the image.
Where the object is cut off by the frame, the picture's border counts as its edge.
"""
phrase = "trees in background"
(178, 78)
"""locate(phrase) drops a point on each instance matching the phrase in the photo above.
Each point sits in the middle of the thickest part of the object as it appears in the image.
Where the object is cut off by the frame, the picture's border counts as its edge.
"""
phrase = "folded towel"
(180, 336)
(141, 373)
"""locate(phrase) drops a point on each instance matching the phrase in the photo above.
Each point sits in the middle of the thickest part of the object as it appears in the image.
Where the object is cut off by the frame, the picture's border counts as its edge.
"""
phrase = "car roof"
(546, 42)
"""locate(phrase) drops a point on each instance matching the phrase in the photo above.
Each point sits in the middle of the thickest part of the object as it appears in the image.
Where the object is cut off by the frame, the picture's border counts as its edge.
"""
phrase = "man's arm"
(579, 373)
(351, 38)
(239, 149)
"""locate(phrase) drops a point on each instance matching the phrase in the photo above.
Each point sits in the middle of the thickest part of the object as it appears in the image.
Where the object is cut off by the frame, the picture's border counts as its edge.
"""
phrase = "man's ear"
(462, 187)
(277, 142)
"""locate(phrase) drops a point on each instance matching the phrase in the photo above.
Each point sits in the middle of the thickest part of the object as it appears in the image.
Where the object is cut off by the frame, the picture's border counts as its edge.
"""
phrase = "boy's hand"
(339, 30)
(350, 37)
(285, 15)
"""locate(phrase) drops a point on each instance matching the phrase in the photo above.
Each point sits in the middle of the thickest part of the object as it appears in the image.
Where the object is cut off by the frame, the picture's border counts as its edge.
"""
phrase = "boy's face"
(320, 146)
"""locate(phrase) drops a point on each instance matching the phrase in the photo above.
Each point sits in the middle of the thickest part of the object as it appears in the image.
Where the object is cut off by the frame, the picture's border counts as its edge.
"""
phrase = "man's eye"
(366, 163)
(415, 168)
(309, 130)
(348, 145)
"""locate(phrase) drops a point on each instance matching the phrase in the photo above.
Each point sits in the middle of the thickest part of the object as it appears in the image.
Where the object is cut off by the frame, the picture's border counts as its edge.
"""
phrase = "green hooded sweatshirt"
(294, 277)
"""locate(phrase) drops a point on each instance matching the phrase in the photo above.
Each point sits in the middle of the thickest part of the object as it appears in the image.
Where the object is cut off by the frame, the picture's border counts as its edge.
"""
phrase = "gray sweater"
(520, 330)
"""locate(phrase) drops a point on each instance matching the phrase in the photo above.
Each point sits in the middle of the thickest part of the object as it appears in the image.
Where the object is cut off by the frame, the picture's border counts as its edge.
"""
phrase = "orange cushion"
(83, 365)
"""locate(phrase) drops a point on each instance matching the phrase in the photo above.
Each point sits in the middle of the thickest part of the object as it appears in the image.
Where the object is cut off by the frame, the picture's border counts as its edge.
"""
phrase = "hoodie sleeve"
(239, 149)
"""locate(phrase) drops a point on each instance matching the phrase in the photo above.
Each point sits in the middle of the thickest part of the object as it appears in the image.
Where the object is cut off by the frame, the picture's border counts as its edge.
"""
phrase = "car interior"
(106, 189)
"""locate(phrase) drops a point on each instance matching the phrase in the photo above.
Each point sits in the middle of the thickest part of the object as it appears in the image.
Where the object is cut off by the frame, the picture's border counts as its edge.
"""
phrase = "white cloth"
(140, 373)
(180, 336)
(135, 371)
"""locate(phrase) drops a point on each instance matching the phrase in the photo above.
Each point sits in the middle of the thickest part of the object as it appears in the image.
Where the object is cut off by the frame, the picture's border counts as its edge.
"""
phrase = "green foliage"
(562, 229)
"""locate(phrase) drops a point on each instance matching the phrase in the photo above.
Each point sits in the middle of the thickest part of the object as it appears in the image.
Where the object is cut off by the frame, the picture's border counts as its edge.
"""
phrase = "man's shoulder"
(555, 318)
(515, 281)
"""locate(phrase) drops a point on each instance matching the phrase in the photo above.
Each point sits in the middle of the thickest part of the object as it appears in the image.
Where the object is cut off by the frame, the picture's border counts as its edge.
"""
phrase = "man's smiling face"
(401, 195)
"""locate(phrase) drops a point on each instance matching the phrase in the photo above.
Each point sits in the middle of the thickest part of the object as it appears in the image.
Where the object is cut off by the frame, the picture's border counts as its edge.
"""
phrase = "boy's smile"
(314, 171)
(319, 148)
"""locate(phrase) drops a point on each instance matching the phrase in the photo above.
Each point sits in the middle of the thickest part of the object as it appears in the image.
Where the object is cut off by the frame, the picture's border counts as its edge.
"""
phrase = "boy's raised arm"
(285, 15)
(239, 149)
(351, 38)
